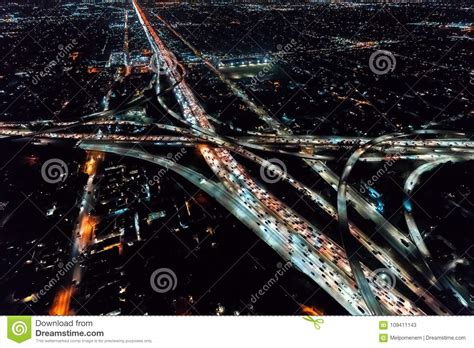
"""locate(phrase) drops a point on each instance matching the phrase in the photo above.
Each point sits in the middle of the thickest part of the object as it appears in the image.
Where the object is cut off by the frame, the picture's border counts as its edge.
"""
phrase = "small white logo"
(163, 280)
(382, 62)
(273, 171)
(54, 171)
(383, 278)
(19, 328)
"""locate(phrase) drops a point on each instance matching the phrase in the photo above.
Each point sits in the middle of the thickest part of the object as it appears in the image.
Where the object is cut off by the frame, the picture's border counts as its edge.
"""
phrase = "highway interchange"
(350, 281)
